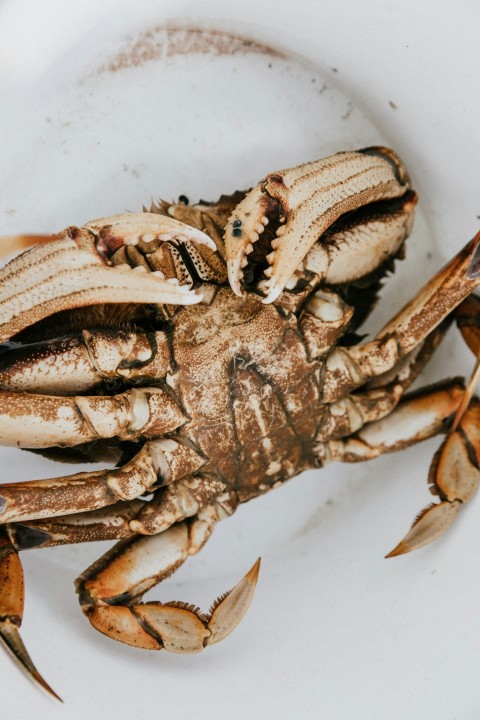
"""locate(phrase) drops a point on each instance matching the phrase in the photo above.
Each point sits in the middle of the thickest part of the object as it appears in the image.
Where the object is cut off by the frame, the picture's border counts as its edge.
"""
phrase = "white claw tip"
(235, 273)
(231, 609)
(236, 288)
(273, 294)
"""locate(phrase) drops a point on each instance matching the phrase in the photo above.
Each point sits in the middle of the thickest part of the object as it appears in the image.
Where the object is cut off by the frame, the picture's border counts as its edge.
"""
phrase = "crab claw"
(244, 227)
(177, 627)
(11, 611)
(129, 228)
(306, 201)
(454, 476)
(184, 629)
(74, 270)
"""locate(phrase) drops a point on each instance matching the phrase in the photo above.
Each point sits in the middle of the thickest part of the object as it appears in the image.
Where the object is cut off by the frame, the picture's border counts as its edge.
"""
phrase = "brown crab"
(123, 338)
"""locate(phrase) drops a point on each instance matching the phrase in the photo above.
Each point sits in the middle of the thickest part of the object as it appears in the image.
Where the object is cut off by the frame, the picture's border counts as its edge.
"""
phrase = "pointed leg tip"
(401, 549)
(13, 642)
(43, 683)
(252, 574)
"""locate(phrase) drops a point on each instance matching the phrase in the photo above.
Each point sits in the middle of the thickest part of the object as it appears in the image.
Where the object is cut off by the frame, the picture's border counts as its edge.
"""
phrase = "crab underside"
(122, 339)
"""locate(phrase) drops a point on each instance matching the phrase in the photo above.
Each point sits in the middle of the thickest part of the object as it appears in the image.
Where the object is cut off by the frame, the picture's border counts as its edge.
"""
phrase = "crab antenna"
(13, 642)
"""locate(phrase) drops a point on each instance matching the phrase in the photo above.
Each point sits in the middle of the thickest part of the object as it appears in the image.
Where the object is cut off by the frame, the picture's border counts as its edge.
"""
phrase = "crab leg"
(78, 363)
(348, 368)
(181, 499)
(454, 476)
(129, 569)
(346, 416)
(418, 416)
(110, 590)
(176, 502)
(455, 470)
(158, 463)
(467, 317)
(11, 611)
(75, 493)
(73, 271)
(107, 523)
(37, 421)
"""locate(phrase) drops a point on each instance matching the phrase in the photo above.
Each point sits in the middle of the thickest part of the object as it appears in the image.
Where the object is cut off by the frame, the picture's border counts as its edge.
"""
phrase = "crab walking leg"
(109, 591)
(78, 363)
(37, 421)
(158, 463)
(176, 502)
(73, 271)
(348, 368)
(107, 523)
(11, 610)
(454, 477)
(346, 416)
(455, 470)
(126, 561)
(467, 318)
(418, 416)
(181, 499)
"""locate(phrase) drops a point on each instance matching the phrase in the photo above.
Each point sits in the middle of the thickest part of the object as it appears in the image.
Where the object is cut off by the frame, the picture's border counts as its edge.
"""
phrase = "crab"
(210, 352)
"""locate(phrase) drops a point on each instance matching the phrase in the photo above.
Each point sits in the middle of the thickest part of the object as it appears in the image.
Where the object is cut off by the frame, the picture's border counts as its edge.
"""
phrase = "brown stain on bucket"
(160, 42)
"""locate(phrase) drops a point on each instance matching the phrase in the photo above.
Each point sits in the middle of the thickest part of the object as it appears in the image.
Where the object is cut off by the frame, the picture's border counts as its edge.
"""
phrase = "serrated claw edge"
(117, 230)
(243, 229)
(308, 199)
(230, 609)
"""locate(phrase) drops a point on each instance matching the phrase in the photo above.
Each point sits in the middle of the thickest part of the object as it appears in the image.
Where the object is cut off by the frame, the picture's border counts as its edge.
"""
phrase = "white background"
(335, 631)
